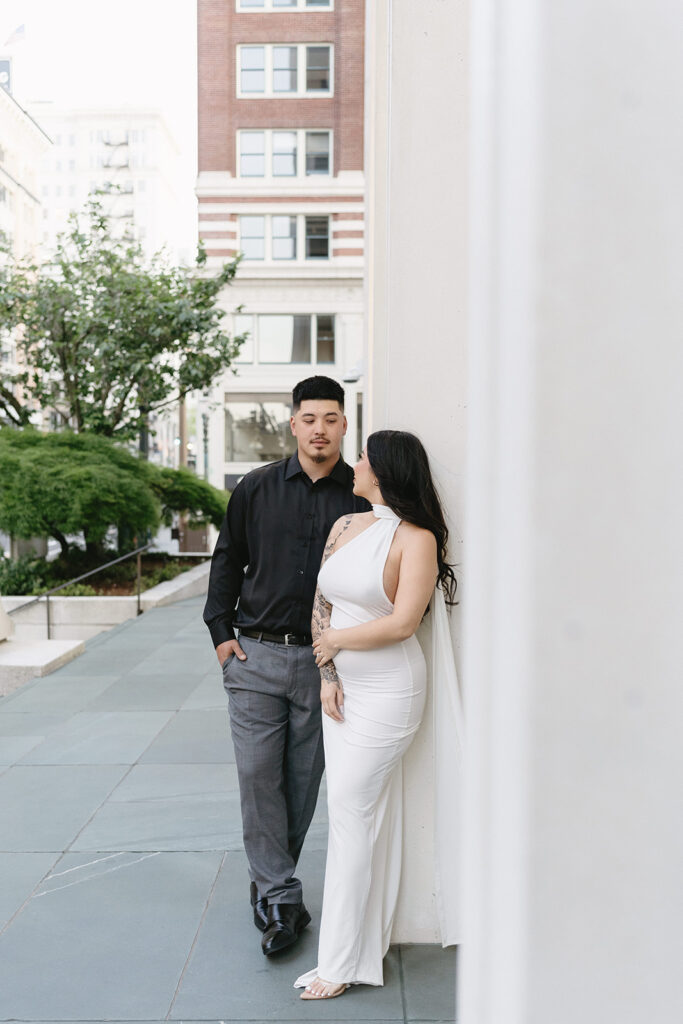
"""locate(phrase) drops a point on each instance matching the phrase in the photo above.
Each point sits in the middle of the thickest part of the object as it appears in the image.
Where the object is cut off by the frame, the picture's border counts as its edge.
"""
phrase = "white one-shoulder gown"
(384, 693)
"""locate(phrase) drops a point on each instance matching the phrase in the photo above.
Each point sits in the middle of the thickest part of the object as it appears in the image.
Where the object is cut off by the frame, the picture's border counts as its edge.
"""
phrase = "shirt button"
(299, 572)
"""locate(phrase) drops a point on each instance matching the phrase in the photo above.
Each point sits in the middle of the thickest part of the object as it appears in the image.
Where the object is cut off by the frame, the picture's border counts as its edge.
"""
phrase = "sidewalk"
(123, 883)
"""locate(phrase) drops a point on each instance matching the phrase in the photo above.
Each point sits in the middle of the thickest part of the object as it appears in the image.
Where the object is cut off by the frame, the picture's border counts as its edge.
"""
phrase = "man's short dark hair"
(317, 387)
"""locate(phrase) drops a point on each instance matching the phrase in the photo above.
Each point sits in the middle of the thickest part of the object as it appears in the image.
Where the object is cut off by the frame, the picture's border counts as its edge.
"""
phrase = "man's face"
(318, 426)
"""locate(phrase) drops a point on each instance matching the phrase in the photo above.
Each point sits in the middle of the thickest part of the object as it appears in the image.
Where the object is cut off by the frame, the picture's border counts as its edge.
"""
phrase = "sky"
(87, 53)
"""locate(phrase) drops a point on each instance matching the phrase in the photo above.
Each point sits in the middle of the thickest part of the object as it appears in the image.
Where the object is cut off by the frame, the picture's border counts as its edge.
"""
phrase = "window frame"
(299, 6)
(301, 258)
(255, 338)
(267, 70)
(301, 140)
(240, 153)
(302, 64)
(265, 236)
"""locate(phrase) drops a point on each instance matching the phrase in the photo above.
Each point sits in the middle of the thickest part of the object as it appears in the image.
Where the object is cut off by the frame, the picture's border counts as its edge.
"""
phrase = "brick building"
(281, 180)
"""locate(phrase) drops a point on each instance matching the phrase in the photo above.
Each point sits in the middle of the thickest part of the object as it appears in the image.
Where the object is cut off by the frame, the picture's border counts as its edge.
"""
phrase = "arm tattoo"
(334, 537)
(322, 610)
(320, 621)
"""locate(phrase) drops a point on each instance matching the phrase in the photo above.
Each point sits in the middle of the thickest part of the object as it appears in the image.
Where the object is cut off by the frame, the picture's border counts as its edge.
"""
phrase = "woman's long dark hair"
(400, 463)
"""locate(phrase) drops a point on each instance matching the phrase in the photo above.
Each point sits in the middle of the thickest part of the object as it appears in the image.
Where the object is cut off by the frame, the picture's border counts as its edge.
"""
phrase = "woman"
(375, 583)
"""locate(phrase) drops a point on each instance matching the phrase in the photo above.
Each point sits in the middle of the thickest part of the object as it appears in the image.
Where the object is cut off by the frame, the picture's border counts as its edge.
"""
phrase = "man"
(267, 557)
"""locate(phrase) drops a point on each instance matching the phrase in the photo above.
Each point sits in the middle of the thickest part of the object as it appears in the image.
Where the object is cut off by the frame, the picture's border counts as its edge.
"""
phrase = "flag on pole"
(18, 36)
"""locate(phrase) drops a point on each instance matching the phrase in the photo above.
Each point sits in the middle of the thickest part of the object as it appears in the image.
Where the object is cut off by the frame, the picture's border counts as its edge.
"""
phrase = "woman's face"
(363, 477)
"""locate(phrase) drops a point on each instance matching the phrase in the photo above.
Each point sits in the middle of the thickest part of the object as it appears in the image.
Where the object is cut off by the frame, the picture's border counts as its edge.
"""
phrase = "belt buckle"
(287, 636)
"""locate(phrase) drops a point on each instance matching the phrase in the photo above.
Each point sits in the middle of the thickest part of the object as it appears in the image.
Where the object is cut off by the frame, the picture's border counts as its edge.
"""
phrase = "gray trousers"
(275, 720)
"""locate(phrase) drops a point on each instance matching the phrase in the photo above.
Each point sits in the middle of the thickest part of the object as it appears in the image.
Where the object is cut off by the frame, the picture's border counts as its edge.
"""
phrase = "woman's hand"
(332, 699)
(324, 648)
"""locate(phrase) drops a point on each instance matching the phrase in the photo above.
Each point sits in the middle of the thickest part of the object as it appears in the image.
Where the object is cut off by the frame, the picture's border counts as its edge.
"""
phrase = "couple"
(345, 646)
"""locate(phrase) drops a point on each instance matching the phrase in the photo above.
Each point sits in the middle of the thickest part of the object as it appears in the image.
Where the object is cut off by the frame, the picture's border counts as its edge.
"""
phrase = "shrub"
(24, 575)
(77, 590)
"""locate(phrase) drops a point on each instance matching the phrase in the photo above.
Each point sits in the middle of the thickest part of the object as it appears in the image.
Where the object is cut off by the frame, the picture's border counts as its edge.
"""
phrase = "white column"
(416, 111)
(574, 598)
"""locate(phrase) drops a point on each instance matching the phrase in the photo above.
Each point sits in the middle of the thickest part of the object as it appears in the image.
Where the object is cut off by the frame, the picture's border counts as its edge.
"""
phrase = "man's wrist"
(221, 633)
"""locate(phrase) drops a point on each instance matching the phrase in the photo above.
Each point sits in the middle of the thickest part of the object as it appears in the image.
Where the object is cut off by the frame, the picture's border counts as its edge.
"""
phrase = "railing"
(77, 579)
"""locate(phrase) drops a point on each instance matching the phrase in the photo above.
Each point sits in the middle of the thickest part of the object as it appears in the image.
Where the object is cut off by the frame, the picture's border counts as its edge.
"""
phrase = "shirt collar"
(338, 473)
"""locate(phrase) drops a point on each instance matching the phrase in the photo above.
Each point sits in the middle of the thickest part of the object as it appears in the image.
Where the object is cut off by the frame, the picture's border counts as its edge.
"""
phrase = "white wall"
(416, 300)
(574, 601)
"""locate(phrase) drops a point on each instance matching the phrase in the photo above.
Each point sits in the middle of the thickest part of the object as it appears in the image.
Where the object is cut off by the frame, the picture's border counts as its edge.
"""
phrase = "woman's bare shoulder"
(417, 536)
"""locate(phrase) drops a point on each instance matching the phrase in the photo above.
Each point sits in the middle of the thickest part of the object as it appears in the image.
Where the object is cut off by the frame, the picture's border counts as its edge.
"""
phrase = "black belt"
(289, 639)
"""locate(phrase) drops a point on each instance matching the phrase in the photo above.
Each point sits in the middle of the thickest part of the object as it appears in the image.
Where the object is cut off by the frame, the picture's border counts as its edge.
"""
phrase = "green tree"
(107, 337)
(179, 490)
(66, 483)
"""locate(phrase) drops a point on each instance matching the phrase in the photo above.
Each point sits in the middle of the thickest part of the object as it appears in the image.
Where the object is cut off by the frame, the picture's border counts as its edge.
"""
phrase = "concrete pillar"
(416, 243)
(574, 599)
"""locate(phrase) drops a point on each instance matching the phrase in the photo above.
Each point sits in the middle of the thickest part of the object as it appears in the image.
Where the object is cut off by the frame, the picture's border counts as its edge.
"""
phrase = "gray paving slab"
(191, 737)
(228, 978)
(44, 807)
(104, 737)
(208, 695)
(20, 732)
(146, 693)
(169, 807)
(20, 873)
(55, 694)
(194, 663)
(429, 981)
(101, 660)
(316, 837)
(105, 940)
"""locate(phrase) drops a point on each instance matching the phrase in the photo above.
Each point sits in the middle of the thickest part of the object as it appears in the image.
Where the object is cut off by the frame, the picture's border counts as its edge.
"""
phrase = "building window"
(317, 238)
(284, 154)
(252, 69)
(325, 339)
(283, 5)
(252, 237)
(317, 69)
(284, 238)
(301, 69)
(257, 427)
(285, 69)
(286, 338)
(317, 153)
(252, 154)
(277, 153)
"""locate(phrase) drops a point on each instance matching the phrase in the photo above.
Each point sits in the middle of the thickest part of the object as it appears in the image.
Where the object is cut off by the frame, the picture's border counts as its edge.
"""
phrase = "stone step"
(22, 660)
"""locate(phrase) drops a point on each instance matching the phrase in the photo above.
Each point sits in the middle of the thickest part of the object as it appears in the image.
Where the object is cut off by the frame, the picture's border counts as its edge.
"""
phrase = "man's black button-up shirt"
(270, 546)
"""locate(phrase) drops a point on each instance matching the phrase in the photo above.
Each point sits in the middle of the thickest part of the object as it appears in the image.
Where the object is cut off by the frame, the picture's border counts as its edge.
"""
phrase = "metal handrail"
(77, 579)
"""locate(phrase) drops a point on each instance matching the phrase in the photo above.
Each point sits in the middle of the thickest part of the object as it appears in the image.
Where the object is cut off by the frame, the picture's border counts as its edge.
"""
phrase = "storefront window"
(257, 427)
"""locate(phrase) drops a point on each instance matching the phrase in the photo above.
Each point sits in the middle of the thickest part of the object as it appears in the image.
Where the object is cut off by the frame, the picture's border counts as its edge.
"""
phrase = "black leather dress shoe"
(285, 923)
(260, 907)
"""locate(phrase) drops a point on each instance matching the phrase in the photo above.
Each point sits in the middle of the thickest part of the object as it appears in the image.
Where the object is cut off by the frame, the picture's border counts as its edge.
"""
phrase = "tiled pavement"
(123, 884)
